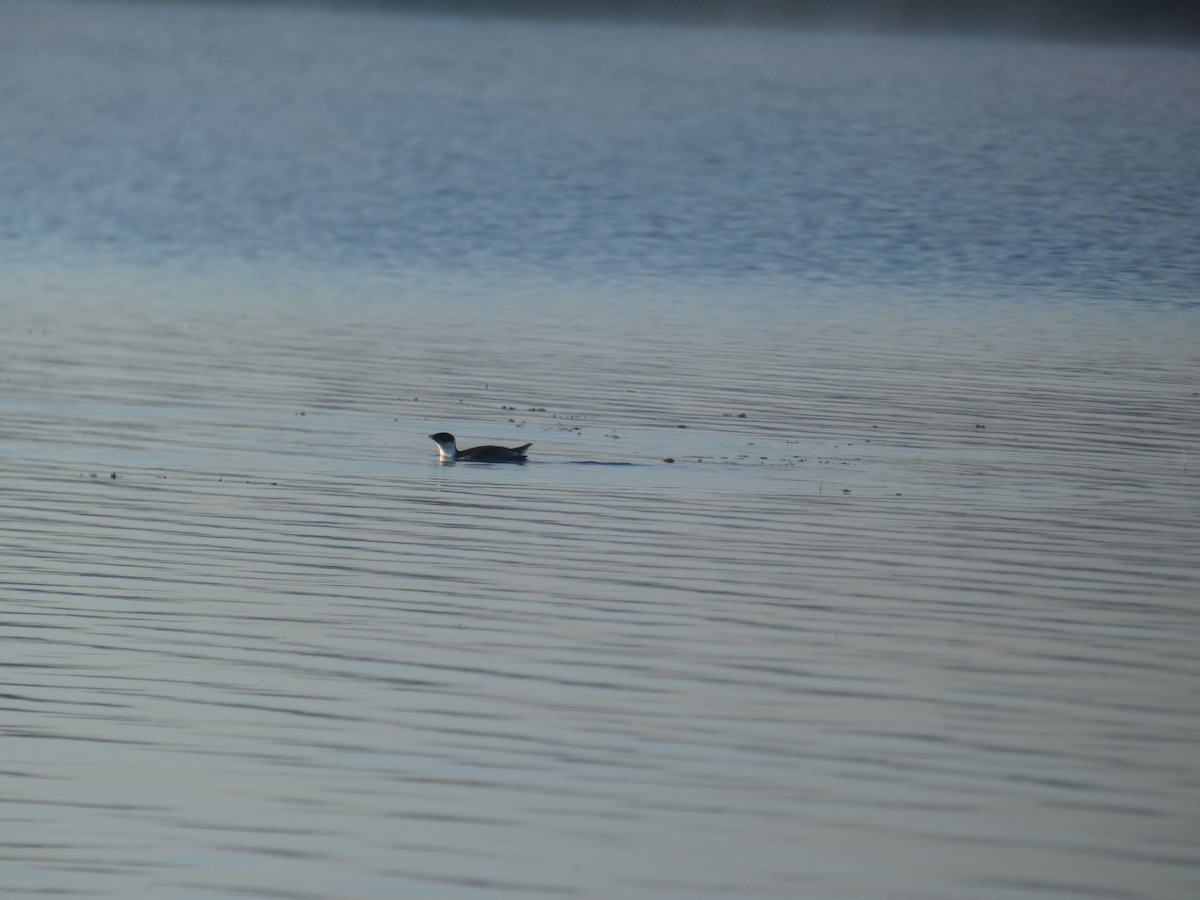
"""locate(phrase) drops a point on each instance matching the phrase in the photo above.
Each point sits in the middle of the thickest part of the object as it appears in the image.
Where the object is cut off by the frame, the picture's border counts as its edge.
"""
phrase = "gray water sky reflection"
(851, 625)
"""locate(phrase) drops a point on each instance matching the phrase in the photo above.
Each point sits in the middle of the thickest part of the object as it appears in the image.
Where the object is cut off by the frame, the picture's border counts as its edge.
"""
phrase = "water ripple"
(283, 654)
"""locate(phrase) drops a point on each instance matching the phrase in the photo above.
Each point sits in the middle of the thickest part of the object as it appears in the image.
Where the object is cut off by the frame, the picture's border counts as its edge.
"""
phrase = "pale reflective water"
(912, 614)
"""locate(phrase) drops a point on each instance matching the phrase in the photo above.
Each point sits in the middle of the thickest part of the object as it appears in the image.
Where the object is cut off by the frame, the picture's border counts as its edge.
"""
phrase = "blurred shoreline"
(1116, 22)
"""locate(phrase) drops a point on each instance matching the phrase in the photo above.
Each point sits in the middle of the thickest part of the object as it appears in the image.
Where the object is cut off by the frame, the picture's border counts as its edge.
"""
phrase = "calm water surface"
(912, 614)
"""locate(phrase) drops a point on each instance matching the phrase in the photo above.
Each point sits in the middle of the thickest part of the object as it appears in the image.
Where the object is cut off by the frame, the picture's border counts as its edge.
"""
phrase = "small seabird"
(448, 451)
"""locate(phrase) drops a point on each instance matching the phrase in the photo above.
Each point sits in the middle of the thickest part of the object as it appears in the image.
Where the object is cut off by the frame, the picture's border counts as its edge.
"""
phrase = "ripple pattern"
(851, 644)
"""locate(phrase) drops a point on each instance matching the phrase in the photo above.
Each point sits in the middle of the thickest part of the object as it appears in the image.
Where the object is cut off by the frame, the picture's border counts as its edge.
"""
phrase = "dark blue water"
(608, 155)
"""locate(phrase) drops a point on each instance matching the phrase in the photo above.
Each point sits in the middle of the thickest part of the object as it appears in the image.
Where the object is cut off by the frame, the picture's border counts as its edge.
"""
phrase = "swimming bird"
(448, 451)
